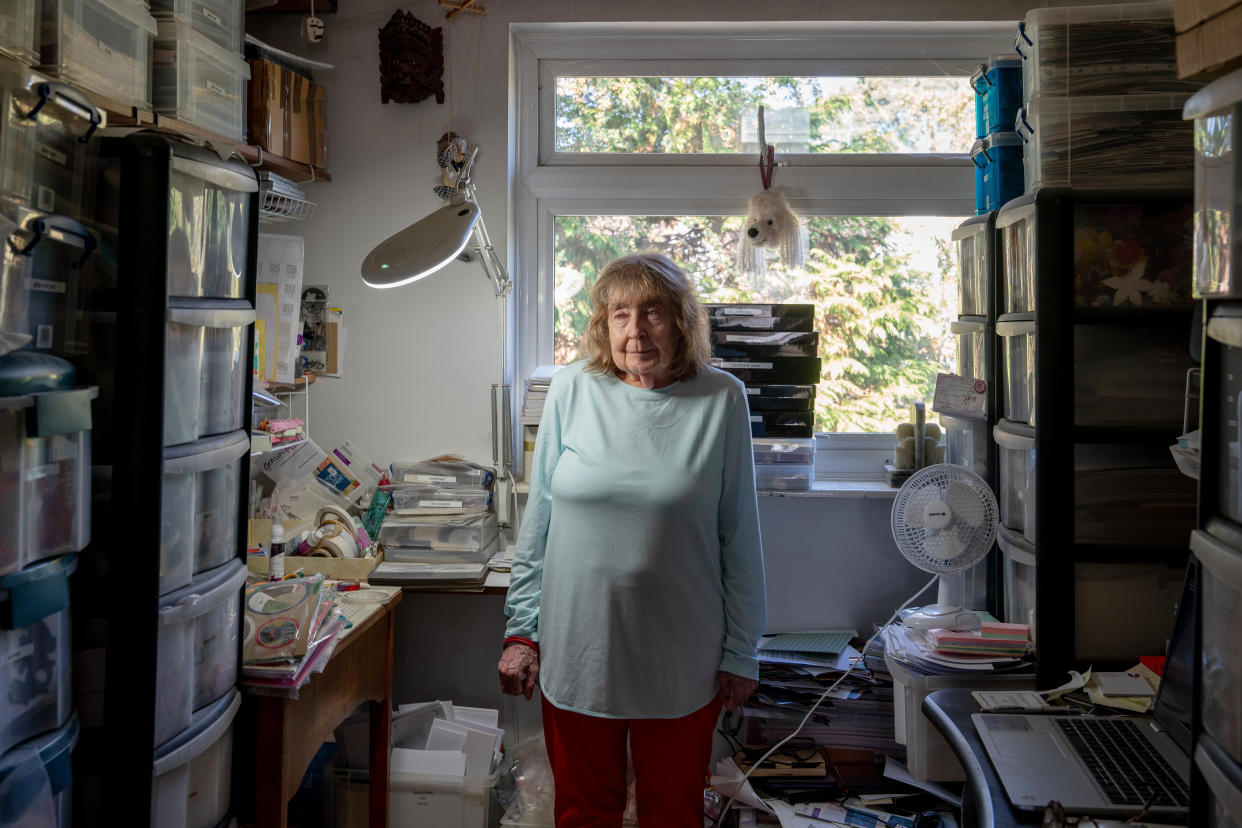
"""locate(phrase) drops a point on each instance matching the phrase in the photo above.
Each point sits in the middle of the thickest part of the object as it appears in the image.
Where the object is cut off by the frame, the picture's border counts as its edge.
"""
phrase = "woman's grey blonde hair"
(647, 278)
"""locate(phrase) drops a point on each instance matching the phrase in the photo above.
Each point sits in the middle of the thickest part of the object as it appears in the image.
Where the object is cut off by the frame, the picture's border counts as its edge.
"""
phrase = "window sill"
(839, 488)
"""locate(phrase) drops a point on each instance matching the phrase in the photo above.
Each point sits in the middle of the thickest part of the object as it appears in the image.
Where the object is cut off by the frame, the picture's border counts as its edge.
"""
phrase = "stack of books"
(537, 391)
(291, 628)
(283, 431)
(992, 639)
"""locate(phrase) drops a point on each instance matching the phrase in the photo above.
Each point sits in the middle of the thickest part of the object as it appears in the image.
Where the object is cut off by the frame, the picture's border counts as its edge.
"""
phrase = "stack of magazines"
(290, 630)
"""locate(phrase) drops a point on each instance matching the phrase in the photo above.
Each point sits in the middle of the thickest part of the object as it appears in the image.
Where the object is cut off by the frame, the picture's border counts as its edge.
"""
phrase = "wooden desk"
(288, 732)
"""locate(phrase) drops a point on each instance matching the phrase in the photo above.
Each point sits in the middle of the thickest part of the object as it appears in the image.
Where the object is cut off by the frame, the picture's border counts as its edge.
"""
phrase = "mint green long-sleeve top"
(638, 567)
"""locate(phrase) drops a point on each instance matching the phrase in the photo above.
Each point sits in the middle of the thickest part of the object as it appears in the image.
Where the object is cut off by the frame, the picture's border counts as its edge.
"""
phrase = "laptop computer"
(1105, 766)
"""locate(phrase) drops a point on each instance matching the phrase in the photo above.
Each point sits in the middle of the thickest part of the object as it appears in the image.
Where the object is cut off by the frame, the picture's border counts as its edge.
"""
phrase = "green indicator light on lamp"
(383, 267)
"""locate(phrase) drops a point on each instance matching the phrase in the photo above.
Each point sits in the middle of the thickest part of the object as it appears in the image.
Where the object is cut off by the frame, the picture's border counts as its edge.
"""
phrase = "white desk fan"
(944, 521)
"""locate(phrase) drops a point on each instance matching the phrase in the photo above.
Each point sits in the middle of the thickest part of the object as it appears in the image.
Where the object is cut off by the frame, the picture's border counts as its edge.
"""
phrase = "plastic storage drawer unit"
(205, 365)
(1018, 574)
(196, 661)
(427, 555)
(972, 347)
(796, 451)
(419, 499)
(35, 771)
(1220, 601)
(1223, 795)
(1224, 328)
(998, 94)
(451, 534)
(451, 473)
(45, 483)
(34, 650)
(1103, 49)
(1016, 484)
(45, 142)
(199, 507)
(1217, 113)
(1017, 239)
(191, 776)
(208, 233)
(975, 241)
(104, 45)
(998, 170)
(221, 21)
(966, 443)
(1106, 141)
(19, 30)
(199, 81)
(1018, 370)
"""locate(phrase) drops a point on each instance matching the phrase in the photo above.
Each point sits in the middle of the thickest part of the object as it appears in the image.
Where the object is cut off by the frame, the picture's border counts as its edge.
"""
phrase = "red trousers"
(670, 757)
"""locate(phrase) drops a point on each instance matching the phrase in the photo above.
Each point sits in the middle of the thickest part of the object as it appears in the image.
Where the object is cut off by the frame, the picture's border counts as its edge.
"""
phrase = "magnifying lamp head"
(422, 248)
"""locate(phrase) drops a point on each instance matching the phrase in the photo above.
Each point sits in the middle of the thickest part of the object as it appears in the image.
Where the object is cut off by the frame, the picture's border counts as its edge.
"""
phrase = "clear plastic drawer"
(973, 239)
(1218, 198)
(1016, 483)
(966, 443)
(103, 45)
(199, 81)
(973, 341)
(450, 473)
(221, 21)
(1018, 572)
(439, 500)
(784, 476)
(1018, 370)
(209, 229)
(452, 534)
(205, 365)
(799, 452)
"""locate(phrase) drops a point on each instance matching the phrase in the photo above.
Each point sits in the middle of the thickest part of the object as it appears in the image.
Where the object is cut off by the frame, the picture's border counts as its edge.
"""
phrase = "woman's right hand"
(519, 668)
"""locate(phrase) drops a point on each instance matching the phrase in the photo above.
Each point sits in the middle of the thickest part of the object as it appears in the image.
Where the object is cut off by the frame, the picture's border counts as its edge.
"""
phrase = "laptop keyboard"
(1126, 766)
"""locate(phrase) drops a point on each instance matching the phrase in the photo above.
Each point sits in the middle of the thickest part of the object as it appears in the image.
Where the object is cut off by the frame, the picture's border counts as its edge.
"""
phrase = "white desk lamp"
(425, 247)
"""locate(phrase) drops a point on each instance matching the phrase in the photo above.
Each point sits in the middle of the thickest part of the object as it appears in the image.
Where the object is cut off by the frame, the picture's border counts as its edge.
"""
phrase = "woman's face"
(644, 340)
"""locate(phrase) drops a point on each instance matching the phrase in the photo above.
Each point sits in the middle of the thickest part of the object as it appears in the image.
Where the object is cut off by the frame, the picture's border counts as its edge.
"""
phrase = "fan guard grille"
(971, 531)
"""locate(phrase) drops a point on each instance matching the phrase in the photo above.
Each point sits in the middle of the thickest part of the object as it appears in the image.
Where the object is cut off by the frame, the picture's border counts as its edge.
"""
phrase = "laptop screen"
(1176, 693)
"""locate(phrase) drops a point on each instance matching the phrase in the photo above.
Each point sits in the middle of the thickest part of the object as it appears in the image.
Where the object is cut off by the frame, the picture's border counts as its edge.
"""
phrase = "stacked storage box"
(773, 349)
(440, 514)
(997, 154)
(198, 73)
(102, 45)
(1102, 98)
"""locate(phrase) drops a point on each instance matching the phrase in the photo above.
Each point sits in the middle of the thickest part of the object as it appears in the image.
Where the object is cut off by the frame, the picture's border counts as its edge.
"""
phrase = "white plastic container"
(1216, 110)
(46, 755)
(205, 364)
(784, 476)
(1018, 575)
(966, 443)
(19, 30)
(928, 755)
(440, 474)
(1130, 494)
(454, 534)
(1015, 487)
(1220, 601)
(1107, 49)
(199, 81)
(199, 504)
(221, 21)
(1223, 793)
(103, 45)
(417, 800)
(439, 500)
(191, 776)
(1130, 375)
(972, 347)
(196, 653)
(1018, 370)
(45, 483)
(209, 225)
(35, 677)
(1106, 141)
(974, 285)
(798, 451)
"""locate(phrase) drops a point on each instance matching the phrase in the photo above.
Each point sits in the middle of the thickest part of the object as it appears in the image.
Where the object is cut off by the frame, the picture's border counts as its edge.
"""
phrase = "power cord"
(729, 803)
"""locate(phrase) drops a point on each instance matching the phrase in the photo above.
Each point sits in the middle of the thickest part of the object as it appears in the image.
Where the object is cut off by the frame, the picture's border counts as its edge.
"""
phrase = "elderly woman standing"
(637, 594)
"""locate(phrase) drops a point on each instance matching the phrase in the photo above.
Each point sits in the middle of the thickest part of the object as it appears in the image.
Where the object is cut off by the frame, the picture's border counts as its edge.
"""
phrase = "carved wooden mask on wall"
(411, 60)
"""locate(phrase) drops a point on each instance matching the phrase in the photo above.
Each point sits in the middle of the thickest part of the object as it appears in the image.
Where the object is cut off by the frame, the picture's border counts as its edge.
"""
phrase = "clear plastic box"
(417, 499)
(974, 281)
(452, 534)
(446, 473)
(966, 443)
(192, 776)
(19, 30)
(34, 651)
(199, 81)
(972, 347)
(789, 477)
(1130, 494)
(1017, 230)
(196, 653)
(1217, 110)
(998, 91)
(1119, 49)
(221, 21)
(797, 451)
(103, 45)
(208, 234)
(1106, 141)
(997, 160)
(205, 365)
(1018, 574)
(427, 555)
(1220, 693)
(1018, 371)
(417, 800)
(1015, 488)
(1130, 375)
(1222, 792)
(55, 751)
(198, 507)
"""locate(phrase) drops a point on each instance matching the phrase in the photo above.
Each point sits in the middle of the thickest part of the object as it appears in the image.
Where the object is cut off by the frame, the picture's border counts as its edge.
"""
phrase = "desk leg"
(271, 802)
(381, 732)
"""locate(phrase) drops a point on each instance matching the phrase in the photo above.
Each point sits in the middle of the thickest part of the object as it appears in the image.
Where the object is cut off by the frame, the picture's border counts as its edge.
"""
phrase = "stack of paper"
(283, 431)
(291, 630)
(917, 650)
(437, 738)
(444, 576)
(537, 390)
(992, 639)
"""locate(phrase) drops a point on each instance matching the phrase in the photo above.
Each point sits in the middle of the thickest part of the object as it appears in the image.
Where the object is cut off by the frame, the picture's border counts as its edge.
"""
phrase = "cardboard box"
(1189, 13)
(286, 113)
(1212, 47)
(306, 122)
(340, 569)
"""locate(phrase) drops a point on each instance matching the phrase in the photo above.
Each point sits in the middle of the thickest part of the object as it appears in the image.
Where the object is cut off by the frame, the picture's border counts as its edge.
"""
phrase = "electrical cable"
(863, 653)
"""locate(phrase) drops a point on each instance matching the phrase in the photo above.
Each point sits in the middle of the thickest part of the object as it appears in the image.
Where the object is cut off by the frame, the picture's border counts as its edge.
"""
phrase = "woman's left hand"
(735, 689)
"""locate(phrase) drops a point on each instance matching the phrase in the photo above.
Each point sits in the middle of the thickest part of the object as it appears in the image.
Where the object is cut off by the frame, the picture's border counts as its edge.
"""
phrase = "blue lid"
(24, 768)
(55, 749)
(27, 372)
(35, 592)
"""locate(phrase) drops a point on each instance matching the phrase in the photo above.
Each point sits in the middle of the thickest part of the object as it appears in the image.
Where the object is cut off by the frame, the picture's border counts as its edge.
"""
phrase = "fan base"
(935, 617)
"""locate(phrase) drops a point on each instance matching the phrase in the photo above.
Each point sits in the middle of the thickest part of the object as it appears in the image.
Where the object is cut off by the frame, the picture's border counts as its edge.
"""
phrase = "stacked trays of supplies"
(774, 350)
(1095, 332)
(197, 80)
(442, 492)
(103, 45)
(449, 539)
(36, 778)
(221, 21)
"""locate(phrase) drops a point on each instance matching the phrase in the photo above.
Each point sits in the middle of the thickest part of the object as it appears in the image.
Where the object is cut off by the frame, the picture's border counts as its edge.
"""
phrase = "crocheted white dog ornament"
(770, 225)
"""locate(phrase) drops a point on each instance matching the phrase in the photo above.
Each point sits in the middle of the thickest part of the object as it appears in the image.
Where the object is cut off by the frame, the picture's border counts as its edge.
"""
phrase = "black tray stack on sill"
(1095, 323)
(774, 350)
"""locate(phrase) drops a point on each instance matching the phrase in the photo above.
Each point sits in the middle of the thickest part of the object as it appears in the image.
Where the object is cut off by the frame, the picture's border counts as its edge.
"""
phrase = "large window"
(630, 143)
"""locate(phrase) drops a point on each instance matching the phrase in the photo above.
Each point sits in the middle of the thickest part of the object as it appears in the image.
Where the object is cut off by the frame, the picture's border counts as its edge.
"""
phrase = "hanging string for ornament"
(767, 155)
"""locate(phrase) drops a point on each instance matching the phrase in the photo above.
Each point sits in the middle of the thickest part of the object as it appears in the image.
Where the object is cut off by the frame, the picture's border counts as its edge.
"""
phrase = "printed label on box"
(44, 335)
(439, 504)
(752, 392)
(45, 285)
(755, 418)
(45, 199)
(741, 312)
(51, 153)
(212, 16)
(763, 365)
(430, 478)
(743, 337)
(218, 89)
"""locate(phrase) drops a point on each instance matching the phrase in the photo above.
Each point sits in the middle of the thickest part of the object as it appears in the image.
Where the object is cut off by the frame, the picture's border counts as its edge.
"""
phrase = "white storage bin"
(47, 755)
(417, 800)
(191, 777)
(784, 476)
(1018, 370)
(408, 554)
(1223, 793)
(1015, 488)
(973, 238)
(199, 504)
(1106, 141)
(1148, 592)
(45, 484)
(1130, 375)
(196, 653)
(928, 755)
(1130, 494)
(972, 348)
(1216, 110)
(19, 30)
(205, 364)
(1018, 576)
(1104, 49)
(199, 81)
(222, 21)
(1017, 231)
(35, 680)
(966, 443)
(439, 474)
(417, 499)
(798, 451)
(451, 534)
(209, 226)
(45, 141)
(103, 45)
(1220, 602)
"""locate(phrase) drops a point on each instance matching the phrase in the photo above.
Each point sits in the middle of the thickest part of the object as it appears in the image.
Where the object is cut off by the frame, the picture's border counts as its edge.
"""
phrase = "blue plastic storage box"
(998, 170)
(998, 94)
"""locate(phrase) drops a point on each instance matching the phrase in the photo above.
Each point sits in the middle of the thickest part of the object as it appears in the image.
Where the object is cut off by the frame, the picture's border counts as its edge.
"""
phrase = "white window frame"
(546, 184)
